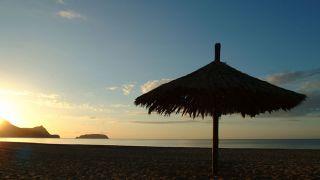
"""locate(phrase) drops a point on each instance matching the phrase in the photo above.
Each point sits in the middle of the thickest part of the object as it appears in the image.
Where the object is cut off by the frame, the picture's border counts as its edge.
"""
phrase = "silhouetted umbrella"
(218, 89)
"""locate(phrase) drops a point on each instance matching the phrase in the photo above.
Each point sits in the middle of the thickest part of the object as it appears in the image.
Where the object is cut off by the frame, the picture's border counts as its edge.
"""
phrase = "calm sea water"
(201, 143)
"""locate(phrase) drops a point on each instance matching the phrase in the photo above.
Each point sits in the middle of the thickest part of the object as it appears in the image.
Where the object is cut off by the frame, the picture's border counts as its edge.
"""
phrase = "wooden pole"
(215, 129)
(217, 49)
(215, 146)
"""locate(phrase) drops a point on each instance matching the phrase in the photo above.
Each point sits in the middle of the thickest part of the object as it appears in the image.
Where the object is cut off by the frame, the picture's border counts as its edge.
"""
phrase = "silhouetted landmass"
(93, 136)
(9, 130)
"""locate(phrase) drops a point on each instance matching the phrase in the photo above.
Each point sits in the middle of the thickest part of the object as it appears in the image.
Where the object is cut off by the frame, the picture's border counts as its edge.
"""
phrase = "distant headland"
(93, 136)
(9, 130)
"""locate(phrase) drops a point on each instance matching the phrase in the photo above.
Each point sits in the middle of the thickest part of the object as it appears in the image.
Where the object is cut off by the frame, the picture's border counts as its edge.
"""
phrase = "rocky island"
(9, 130)
(93, 136)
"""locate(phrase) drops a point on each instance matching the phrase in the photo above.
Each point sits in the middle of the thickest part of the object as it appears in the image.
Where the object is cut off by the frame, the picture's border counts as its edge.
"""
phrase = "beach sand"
(44, 161)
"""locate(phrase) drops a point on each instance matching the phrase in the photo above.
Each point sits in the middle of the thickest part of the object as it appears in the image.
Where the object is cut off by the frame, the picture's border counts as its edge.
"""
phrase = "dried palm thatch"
(218, 89)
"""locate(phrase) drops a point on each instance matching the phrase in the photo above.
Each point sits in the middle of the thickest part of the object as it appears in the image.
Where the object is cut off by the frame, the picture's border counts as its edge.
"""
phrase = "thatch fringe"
(218, 89)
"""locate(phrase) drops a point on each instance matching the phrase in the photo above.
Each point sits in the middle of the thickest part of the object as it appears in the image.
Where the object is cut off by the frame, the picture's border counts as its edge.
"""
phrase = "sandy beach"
(45, 161)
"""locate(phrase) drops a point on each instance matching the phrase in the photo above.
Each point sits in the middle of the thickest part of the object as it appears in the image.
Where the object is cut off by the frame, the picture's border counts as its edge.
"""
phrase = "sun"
(9, 112)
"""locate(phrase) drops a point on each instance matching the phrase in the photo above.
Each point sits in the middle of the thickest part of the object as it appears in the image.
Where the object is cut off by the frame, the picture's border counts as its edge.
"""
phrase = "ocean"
(199, 143)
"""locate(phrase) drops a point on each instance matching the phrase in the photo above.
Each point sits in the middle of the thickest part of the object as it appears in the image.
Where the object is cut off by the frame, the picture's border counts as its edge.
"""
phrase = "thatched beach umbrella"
(214, 90)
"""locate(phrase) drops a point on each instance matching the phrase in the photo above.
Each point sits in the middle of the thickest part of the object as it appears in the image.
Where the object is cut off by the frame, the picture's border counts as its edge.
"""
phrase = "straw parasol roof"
(218, 89)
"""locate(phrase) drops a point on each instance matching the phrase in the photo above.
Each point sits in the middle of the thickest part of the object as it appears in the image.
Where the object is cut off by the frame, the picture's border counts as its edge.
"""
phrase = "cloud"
(48, 96)
(112, 88)
(70, 14)
(148, 86)
(290, 77)
(47, 99)
(51, 100)
(10, 92)
(169, 122)
(60, 1)
(127, 88)
(60, 103)
(309, 108)
(306, 82)
(120, 105)
(310, 86)
(135, 112)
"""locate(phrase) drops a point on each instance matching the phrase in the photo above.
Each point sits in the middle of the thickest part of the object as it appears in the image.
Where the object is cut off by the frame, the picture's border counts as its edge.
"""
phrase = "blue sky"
(84, 62)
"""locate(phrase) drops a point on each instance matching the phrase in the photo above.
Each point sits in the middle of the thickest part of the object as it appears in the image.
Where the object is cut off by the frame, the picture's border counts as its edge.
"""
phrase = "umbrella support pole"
(215, 145)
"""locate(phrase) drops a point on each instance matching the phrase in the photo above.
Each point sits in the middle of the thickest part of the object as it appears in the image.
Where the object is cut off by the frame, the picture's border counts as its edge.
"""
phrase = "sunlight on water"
(200, 143)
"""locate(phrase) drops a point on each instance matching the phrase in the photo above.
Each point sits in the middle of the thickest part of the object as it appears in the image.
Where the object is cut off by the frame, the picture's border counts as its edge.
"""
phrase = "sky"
(76, 66)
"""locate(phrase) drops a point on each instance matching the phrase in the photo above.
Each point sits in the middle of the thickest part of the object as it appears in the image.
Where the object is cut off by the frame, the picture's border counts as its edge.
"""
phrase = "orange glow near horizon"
(9, 112)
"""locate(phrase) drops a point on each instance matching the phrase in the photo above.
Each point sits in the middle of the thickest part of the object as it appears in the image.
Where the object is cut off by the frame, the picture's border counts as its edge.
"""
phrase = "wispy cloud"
(310, 86)
(70, 14)
(10, 92)
(131, 112)
(60, 1)
(309, 108)
(112, 88)
(120, 105)
(169, 122)
(290, 77)
(51, 100)
(47, 99)
(127, 88)
(148, 86)
(306, 82)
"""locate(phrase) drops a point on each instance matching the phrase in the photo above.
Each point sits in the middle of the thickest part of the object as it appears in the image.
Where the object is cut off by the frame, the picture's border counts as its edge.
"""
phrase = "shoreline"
(234, 144)
(143, 146)
(62, 161)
